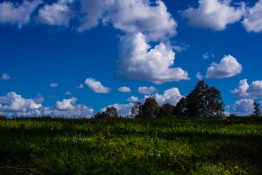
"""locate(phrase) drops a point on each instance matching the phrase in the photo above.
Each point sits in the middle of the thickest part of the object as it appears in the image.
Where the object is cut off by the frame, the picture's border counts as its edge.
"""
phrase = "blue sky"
(134, 43)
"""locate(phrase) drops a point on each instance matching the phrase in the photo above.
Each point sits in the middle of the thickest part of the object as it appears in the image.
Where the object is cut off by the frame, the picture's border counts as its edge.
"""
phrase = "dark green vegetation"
(132, 146)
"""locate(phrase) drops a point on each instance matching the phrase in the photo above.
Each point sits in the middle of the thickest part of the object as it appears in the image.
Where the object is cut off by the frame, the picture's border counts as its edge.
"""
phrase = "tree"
(137, 110)
(180, 109)
(150, 109)
(110, 112)
(166, 110)
(257, 112)
(202, 101)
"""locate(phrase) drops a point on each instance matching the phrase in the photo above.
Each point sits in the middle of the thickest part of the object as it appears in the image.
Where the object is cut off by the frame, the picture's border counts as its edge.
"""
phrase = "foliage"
(132, 146)
(110, 112)
(202, 101)
(257, 112)
(166, 110)
(150, 109)
(136, 110)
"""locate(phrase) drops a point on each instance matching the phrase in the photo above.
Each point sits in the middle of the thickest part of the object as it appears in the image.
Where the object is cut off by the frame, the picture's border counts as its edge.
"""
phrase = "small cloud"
(147, 90)
(5, 76)
(96, 86)
(68, 93)
(228, 67)
(81, 86)
(199, 76)
(53, 85)
(132, 99)
(124, 89)
(208, 55)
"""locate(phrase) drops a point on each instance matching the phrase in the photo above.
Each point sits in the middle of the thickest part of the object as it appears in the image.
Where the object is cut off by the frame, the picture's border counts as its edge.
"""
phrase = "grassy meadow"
(131, 146)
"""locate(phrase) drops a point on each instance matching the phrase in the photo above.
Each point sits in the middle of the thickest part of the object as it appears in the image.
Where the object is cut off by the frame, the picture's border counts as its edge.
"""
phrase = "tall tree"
(110, 112)
(137, 110)
(202, 101)
(150, 109)
(257, 112)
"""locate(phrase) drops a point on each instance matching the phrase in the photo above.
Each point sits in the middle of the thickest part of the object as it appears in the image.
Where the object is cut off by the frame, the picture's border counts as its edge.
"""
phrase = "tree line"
(202, 101)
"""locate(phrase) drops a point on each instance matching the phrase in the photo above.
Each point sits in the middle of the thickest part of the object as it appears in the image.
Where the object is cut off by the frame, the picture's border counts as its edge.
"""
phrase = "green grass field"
(132, 146)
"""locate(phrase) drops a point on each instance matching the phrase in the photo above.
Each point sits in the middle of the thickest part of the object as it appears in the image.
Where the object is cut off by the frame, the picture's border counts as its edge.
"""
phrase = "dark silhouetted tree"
(180, 109)
(166, 110)
(150, 109)
(110, 112)
(256, 112)
(202, 101)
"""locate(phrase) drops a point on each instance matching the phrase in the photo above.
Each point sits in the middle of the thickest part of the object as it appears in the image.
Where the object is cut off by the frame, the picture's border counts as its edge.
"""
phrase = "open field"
(132, 146)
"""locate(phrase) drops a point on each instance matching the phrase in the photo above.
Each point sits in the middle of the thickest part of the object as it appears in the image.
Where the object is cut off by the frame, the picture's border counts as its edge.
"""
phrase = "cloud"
(133, 99)
(96, 86)
(228, 67)
(13, 102)
(14, 105)
(124, 89)
(147, 90)
(214, 14)
(245, 90)
(138, 61)
(15, 13)
(68, 93)
(5, 76)
(171, 96)
(208, 55)
(199, 76)
(56, 14)
(130, 16)
(242, 107)
(253, 20)
(66, 104)
(53, 85)
(81, 86)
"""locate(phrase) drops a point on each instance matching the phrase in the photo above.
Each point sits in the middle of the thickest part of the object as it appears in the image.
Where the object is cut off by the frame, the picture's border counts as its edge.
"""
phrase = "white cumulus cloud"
(253, 20)
(141, 62)
(124, 89)
(56, 14)
(130, 16)
(66, 104)
(17, 13)
(214, 14)
(228, 67)
(245, 90)
(171, 96)
(133, 99)
(242, 107)
(96, 86)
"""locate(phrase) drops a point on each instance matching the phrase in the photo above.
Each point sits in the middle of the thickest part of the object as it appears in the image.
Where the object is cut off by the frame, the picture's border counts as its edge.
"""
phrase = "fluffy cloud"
(19, 14)
(132, 99)
(253, 20)
(56, 14)
(141, 62)
(254, 90)
(130, 16)
(53, 85)
(14, 105)
(13, 102)
(242, 107)
(228, 67)
(124, 89)
(5, 76)
(171, 96)
(96, 86)
(66, 104)
(214, 14)
(147, 90)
